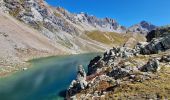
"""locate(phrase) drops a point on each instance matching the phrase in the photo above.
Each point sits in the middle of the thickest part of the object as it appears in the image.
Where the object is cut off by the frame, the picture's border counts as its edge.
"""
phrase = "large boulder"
(157, 45)
(157, 40)
(81, 77)
(151, 66)
(159, 32)
(79, 84)
(165, 58)
(118, 73)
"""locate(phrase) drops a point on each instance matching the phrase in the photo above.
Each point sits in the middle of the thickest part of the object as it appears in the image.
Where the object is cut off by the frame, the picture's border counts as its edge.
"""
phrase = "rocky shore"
(125, 73)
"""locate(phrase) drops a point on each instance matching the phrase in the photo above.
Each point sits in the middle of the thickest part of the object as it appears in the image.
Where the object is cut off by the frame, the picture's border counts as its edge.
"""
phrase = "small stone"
(25, 68)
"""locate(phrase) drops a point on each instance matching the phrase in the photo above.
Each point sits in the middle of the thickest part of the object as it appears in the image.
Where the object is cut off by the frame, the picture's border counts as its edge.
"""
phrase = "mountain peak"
(144, 22)
(143, 27)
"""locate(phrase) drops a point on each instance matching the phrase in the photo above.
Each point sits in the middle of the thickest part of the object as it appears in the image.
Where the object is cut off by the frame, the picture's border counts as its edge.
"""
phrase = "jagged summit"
(143, 27)
(39, 14)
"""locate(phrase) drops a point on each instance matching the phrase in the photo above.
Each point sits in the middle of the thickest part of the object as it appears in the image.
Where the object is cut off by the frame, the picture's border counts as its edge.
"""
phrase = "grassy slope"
(107, 37)
(112, 38)
(157, 86)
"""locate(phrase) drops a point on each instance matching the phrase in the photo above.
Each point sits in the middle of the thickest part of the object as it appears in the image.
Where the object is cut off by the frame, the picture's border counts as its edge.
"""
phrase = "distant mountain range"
(40, 15)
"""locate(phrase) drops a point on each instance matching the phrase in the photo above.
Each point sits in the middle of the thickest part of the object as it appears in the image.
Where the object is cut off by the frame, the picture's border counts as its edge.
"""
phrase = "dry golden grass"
(158, 86)
(111, 38)
(107, 37)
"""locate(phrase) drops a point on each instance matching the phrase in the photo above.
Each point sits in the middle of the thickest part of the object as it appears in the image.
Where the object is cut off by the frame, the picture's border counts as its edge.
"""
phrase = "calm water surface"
(46, 80)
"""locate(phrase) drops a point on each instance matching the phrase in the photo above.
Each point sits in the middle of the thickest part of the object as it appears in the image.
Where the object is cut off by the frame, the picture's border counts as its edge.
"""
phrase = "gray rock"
(119, 73)
(81, 77)
(165, 58)
(79, 84)
(110, 59)
(151, 66)
(157, 45)
(159, 32)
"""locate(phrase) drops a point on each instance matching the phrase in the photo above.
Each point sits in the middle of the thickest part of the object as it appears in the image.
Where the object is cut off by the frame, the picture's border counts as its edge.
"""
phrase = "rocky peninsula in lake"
(125, 73)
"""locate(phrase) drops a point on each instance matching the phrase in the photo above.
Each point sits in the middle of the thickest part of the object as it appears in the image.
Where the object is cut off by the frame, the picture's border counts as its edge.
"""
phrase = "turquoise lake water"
(47, 79)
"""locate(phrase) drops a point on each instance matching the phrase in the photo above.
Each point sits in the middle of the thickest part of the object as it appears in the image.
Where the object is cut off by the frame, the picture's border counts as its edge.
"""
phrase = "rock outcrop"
(157, 33)
(155, 45)
(158, 40)
(79, 84)
(115, 69)
(110, 58)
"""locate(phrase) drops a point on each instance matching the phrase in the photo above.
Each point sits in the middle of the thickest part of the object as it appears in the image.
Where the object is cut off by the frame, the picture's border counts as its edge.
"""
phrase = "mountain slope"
(18, 43)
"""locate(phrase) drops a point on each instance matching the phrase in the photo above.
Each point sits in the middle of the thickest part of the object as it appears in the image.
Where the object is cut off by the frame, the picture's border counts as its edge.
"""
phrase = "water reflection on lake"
(46, 80)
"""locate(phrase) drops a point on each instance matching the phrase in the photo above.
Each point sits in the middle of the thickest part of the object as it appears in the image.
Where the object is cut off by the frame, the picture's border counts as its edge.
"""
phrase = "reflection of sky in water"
(47, 79)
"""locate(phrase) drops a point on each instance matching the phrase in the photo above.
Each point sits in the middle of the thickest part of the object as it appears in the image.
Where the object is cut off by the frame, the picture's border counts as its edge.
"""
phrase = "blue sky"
(126, 12)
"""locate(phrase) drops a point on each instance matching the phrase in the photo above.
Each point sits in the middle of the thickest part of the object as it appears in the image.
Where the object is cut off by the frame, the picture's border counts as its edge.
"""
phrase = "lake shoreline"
(27, 65)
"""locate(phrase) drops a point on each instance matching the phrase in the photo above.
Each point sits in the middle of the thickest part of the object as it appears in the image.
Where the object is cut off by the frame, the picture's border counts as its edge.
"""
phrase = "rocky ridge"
(60, 25)
(124, 73)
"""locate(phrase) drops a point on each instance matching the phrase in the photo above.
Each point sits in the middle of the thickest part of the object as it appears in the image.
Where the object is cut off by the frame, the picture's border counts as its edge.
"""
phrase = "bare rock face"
(105, 24)
(116, 68)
